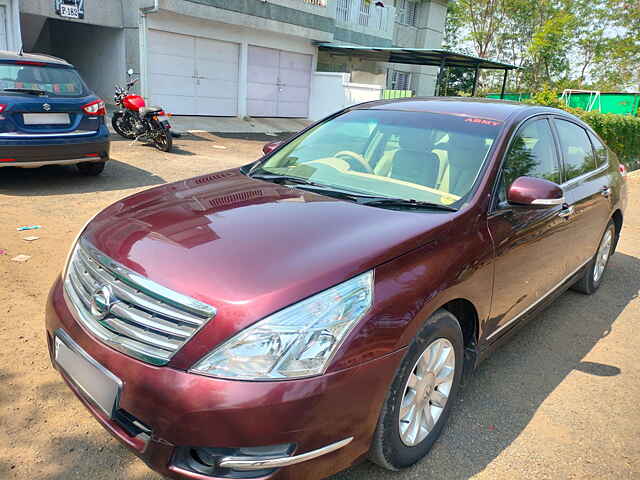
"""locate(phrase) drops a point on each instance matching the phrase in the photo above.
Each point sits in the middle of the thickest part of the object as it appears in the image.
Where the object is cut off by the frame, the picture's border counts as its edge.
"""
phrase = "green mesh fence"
(618, 103)
(391, 94)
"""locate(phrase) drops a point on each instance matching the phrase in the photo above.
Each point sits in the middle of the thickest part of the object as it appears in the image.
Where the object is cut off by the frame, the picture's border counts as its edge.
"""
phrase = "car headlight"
(298, 341)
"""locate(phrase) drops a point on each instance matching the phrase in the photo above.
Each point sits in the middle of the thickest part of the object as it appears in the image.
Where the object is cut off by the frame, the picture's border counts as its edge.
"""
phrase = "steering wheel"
(356, 161)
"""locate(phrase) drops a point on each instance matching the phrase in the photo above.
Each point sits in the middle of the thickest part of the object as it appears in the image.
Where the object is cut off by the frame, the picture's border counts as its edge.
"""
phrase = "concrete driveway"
(561, 401)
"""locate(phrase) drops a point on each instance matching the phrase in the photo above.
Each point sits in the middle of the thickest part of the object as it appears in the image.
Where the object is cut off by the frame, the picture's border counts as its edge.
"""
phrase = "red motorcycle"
(136, 121)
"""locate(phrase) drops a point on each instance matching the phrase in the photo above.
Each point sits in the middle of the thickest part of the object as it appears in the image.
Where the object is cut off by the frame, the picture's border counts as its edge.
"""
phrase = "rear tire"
(417, 387)
(163, 140)
(91, 169)
(593, 274)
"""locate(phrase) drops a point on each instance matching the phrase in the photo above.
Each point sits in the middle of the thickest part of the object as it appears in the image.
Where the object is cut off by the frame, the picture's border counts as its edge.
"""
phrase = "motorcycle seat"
(144, 111)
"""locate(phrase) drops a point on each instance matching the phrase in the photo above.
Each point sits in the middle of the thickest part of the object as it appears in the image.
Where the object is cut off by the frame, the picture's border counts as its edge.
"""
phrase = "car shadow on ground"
(62, 180)
(500, 399)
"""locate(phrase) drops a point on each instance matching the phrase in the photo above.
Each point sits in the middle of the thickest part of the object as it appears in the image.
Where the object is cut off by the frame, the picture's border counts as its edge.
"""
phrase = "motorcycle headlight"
(298, 341)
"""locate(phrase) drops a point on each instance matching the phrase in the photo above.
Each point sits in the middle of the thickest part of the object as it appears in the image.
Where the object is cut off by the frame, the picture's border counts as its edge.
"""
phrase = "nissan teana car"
(319, 306)
(48, 115)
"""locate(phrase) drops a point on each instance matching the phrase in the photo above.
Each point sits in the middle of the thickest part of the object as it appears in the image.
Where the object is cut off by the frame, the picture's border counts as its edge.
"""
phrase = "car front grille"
(127, 311)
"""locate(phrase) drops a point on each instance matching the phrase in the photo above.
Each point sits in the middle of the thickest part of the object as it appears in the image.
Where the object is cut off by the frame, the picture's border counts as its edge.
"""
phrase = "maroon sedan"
(292, 317)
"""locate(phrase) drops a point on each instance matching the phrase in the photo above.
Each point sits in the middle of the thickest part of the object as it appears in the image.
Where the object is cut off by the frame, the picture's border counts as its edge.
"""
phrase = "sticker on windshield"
(482, 121)
(447, 199)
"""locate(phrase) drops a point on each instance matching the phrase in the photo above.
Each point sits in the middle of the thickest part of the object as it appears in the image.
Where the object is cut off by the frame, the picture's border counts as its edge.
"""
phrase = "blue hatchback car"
(48, 115)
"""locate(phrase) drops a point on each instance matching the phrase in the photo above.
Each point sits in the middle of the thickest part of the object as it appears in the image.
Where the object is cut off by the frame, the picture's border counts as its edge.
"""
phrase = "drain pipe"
(144, 61)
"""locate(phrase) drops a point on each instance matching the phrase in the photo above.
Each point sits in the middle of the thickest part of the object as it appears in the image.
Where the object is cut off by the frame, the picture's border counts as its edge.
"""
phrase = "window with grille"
(342, 10)
(400, 80)
(407, 12)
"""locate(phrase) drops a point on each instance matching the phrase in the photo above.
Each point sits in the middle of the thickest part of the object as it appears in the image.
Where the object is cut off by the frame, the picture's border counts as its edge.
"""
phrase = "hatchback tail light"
(621, 168)
(95, 108)
(2, 107)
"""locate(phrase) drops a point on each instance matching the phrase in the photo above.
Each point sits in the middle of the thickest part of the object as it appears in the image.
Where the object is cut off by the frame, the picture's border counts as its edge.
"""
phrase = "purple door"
(278, 83)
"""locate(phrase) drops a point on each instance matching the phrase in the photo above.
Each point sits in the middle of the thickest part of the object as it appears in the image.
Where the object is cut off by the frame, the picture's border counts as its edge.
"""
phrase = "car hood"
(250, 247)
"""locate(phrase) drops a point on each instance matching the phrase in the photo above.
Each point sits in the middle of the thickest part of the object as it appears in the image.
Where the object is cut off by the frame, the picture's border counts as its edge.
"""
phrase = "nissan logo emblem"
(102, 300)
(46, 107)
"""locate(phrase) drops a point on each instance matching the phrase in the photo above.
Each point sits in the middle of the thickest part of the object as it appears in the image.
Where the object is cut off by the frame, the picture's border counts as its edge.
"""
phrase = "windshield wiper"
(405, 203)
(313, 186)
(32, 91)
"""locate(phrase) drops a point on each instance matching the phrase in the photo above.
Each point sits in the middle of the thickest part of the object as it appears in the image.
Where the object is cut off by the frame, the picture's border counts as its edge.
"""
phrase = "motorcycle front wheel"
(122, 126)
(163, 140)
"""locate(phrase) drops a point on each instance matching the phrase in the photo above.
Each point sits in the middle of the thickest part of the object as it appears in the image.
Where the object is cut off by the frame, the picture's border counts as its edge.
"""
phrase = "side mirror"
(270, 147)
(535, 192)
(130, 71)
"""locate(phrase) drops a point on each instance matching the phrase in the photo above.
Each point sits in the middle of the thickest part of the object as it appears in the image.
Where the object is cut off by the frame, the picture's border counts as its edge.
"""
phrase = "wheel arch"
(617, 221)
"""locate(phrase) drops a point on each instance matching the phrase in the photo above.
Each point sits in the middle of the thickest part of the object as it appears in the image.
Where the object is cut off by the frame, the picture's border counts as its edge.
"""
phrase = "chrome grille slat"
(150, 322)
(127, 293)
(140, 317)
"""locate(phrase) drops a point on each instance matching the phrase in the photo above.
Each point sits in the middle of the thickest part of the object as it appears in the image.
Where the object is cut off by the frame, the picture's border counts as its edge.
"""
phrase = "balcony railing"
(317, 3)
(365, 15)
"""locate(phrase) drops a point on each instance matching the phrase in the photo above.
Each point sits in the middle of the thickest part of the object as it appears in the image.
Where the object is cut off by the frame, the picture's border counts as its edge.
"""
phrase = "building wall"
(11, 28)
(428, 33)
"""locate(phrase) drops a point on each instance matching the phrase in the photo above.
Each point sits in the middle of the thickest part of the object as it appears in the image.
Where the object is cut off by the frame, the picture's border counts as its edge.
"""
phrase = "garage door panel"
(292, 109)
(262, 108)
(216, 89)
(174, 62)
(212, 70)
(295, 61)
(263, 57)
(262, 91)
(170, 43)
(295, 77)
(224, 107)
(263, 74)
(176, 105)
(171, 65)
(293, 94)
(172, 85)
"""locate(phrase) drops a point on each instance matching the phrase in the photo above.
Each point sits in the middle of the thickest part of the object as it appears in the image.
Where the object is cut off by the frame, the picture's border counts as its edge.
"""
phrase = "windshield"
(55, 81)
(426, 157)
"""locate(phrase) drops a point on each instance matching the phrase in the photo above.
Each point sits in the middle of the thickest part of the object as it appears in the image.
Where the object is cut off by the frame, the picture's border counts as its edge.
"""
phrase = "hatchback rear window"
(55, 81)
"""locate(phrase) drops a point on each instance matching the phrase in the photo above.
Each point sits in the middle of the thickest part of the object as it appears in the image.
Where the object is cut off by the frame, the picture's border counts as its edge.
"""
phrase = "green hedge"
(620, 132)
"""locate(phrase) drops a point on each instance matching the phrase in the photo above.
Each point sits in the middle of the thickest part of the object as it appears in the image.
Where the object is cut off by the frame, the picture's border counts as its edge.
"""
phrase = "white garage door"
(193, 75)
(278, 84)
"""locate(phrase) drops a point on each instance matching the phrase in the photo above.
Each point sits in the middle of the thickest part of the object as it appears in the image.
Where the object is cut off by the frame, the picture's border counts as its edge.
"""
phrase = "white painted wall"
(11, 26)
(331, 92)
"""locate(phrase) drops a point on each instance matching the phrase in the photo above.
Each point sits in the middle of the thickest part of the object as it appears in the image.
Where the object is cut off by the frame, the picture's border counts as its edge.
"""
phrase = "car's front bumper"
(181, 410)
(56, 151)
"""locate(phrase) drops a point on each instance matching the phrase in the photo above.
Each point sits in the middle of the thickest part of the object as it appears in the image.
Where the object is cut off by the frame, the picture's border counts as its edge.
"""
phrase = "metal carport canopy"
(420, 56)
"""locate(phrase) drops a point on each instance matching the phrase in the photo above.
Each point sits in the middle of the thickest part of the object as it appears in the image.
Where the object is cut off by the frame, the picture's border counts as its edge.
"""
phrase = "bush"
(620, 132)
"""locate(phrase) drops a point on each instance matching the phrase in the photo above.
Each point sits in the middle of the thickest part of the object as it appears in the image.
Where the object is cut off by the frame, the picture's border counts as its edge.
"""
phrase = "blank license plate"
(45, 118)
(96, 384)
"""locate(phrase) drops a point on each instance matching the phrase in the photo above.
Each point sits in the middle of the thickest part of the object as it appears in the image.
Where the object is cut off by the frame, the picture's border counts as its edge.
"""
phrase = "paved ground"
(560, 401)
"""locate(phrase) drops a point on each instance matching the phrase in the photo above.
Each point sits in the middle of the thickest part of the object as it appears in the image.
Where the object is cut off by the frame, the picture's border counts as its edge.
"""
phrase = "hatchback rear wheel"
(421, 395)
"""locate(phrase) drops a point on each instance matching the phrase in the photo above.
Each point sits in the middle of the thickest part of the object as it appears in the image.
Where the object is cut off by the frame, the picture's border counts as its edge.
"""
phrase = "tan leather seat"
(412, 162)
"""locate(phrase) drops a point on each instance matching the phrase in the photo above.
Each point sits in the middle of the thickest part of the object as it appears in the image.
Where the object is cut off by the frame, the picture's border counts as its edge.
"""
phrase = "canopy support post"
(475, 80)
(504, 83)
(439, 77)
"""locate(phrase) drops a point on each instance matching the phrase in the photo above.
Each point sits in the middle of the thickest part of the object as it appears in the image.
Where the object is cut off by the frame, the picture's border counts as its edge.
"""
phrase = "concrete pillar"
(243, 73)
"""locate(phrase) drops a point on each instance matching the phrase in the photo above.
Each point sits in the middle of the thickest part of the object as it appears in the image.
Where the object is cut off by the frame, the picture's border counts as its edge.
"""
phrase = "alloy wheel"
(427, 391)
(602, 257)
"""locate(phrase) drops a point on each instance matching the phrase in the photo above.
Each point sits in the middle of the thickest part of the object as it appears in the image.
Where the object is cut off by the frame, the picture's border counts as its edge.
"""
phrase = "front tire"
(122, 125)
(91, 169)
(421, 395)
(592, 278)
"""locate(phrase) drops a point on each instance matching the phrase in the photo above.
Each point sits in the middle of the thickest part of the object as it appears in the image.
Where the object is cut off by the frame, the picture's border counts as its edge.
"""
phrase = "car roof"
(494, 109)
(32, 57)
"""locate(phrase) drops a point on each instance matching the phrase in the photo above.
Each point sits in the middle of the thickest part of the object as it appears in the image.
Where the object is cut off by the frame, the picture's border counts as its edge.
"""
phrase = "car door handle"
(606, 191)
(566, 211)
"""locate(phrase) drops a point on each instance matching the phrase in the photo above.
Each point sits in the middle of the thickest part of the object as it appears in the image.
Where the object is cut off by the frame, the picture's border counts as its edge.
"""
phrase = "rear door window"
(577, 152)
(602, 156)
